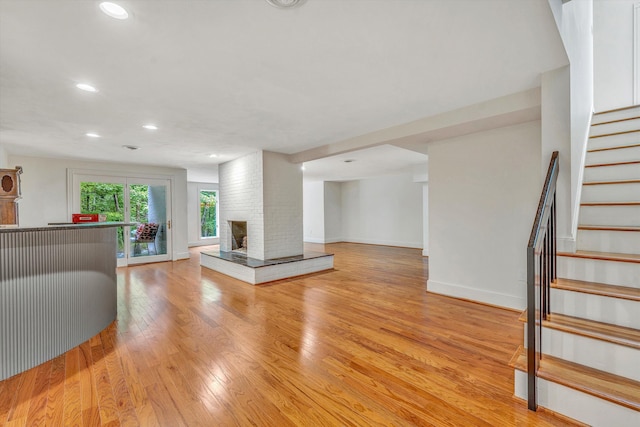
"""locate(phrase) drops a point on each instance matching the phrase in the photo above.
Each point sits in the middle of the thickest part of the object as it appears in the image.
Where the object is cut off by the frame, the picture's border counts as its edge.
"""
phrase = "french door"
(144, 202)
(149, 208)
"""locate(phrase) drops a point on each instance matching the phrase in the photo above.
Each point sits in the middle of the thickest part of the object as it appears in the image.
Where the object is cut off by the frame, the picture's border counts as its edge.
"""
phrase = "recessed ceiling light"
(213, 155)
(349, 161)
(131, 147)
(92, 135)
(86, 87)
(150, 127)
(114, 10)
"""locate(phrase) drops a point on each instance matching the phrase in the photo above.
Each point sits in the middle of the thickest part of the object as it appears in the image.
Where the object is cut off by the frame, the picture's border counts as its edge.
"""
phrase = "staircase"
(590, 369)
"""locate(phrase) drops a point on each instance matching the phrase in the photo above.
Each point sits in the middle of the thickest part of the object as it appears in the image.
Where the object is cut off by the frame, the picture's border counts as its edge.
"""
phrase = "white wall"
(283, 229)
(567, 106)
(556, 136)
(576, 30)
(4, 160)
(332, 212)
(613, 53)
(483, 193)
(313, 211)
(193, 213)
(241, 185)
(386, 210)
(45, 198)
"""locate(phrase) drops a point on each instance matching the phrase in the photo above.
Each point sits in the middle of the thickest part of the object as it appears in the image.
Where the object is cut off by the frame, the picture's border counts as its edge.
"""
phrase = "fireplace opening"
(239, 236)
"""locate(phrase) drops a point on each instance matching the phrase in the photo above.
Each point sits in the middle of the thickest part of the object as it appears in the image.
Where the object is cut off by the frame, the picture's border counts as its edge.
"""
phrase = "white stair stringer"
(599, 271)
(627, 154)
(576, 404)
(615, 215)
(610, 127)
(615, 115)
(612, 173)
(621, 242)
(600, 308)
(618, 192)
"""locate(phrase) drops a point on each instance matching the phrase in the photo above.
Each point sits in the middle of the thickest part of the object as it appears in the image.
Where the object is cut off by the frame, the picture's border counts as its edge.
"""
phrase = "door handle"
(169, 225)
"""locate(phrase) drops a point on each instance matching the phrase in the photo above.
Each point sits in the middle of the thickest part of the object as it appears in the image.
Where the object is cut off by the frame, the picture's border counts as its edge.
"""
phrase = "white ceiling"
(361, 164)
(232, 76)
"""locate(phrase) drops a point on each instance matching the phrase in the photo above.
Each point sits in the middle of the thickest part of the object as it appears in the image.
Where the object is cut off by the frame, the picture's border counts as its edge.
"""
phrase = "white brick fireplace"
(265, 190)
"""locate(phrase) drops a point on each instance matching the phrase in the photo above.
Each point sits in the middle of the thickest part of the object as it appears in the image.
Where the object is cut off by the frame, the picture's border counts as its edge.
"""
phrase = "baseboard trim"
(180, 255)
(477, 295)
(313, 240)
(209, 243)
(397, 243)
(333, 240)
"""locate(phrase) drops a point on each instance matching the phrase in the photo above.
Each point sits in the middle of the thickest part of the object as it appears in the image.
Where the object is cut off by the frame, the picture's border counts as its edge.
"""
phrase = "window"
(208, 214)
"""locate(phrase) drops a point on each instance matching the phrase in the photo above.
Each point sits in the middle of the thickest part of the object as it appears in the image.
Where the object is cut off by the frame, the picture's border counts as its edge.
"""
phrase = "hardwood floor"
(361, 345)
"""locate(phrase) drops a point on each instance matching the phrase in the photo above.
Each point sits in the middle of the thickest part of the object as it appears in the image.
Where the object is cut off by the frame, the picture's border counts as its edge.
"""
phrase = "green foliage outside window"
(103, 198)
(208, 225)
(108, 199)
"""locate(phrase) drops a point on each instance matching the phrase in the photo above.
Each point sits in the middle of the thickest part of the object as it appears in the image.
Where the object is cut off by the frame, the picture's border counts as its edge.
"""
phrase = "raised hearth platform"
(256, 271)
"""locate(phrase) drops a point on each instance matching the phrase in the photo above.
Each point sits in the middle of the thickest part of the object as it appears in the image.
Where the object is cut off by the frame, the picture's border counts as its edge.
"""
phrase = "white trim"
(636, 54)
(475, 294)
(180, 255)
(333, 240)
(313, 240)
(205, 242)
(425, 252)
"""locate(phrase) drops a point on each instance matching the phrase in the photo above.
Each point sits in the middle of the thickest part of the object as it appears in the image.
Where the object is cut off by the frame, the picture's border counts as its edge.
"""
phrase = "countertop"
(65, 226)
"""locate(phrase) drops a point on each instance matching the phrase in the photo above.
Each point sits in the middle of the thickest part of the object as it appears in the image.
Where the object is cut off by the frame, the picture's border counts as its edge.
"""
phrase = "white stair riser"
(623, 126)
(616, 115)
(602, 355)
(612, 173)
(620, 242)
(599, 271)
(577, 405)
(611, 193)
(613, 156)
(615, 311)
(613, 140)
(610, 215)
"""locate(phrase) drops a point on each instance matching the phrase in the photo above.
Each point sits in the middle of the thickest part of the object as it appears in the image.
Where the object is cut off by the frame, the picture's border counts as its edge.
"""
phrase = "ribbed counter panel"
(57, 290)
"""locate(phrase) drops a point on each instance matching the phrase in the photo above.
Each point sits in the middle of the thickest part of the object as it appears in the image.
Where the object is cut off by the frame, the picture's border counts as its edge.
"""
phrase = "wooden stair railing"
(541, 271)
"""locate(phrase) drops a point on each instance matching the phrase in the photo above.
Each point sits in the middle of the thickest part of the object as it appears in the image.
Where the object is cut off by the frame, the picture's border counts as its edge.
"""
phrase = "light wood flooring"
(361, 345)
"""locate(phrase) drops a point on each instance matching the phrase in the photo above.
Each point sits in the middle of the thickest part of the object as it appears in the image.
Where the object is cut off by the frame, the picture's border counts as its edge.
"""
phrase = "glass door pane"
(149, 210)
(104, 198)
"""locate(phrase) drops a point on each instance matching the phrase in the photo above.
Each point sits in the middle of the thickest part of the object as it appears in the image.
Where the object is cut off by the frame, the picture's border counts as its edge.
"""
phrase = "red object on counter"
(77, 218)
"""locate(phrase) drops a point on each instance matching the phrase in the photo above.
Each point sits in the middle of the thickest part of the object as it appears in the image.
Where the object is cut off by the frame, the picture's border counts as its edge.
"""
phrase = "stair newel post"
(541, 271)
